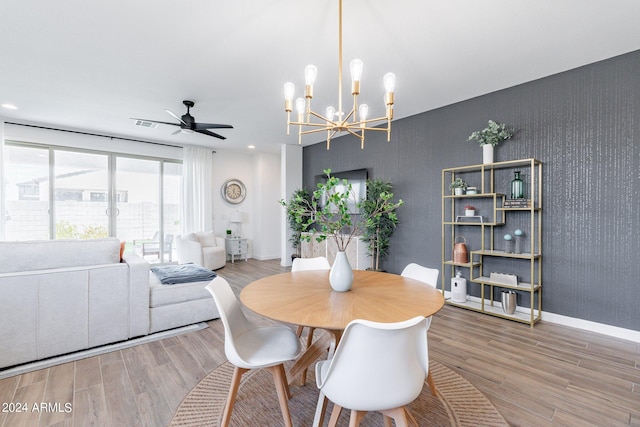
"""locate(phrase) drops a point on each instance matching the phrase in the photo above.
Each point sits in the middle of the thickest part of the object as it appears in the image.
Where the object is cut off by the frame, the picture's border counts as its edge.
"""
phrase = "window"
(145, 207)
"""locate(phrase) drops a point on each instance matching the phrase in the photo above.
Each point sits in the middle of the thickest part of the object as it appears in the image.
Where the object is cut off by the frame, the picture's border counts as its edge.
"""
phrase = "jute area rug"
(458, 402)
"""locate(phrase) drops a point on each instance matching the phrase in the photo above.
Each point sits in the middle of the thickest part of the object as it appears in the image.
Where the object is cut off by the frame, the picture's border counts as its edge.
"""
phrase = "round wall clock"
(233, 191)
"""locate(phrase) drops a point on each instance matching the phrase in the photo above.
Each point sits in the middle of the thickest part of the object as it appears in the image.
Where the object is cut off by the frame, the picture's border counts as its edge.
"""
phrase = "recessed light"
(9, 106)
(251, 147)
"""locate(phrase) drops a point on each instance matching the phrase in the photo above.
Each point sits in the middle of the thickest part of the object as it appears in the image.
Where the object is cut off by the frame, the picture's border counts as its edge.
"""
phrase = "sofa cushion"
(28, 255)
(161, 295)
(207, 238)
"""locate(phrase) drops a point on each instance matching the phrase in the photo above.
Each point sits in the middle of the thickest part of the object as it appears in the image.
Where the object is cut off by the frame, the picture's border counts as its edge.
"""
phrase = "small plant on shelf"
(469, 210)
(458, 186)
(492, 135)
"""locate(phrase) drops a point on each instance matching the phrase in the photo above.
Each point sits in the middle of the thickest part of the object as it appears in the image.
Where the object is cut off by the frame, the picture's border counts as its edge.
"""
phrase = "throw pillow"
(191, 237)
(207, 238)
(122, 245)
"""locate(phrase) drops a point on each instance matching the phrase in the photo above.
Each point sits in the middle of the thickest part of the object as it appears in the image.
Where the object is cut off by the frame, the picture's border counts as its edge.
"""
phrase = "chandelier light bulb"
(310, 74)
(330, 113)
(289, 90)
(300, 106)
(363, 110)
(356, 66)
(389, 81)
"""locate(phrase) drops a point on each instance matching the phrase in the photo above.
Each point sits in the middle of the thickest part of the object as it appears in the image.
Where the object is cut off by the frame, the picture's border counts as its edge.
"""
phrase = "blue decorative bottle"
(517, 187)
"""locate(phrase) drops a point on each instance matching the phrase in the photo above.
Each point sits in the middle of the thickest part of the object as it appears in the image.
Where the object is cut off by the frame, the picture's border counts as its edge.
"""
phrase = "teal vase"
(517, 187)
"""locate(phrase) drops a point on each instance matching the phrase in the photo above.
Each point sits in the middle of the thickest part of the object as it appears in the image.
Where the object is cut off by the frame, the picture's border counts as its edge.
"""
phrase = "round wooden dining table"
(305, 298)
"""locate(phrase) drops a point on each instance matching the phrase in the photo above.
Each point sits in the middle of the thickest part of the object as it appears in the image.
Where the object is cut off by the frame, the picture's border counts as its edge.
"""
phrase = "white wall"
(88, 142)
(260, 174)
(290, 181)
(266, 224)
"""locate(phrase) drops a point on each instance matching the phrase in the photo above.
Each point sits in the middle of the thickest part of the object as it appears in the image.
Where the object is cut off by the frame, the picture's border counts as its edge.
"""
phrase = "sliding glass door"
(81, 195)
(54, 193)
(26, 193)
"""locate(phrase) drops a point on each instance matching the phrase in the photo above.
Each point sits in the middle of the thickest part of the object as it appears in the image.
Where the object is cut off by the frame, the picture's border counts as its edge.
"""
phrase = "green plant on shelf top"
(458, 183)
(493, 134)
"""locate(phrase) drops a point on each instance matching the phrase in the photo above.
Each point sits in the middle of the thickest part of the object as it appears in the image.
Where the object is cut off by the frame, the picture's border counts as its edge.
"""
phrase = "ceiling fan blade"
(206, 132)
(211, 126)
(176, 117)
(155, 121)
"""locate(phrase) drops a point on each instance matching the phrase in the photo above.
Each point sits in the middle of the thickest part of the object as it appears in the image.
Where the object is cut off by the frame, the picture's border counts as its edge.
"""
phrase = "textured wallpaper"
(584, 125)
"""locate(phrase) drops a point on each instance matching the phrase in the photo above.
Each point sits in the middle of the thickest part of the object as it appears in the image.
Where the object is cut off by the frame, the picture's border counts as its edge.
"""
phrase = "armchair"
(203, 248)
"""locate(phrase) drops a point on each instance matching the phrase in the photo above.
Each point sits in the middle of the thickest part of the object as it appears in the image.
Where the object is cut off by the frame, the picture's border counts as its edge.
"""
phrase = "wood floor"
(542, 376)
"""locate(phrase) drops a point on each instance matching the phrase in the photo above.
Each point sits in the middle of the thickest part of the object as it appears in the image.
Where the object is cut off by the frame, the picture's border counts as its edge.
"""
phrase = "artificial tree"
(299, 198)
(379, 227)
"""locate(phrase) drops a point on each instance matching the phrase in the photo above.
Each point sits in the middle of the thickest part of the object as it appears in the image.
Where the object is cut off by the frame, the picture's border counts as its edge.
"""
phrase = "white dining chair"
(376, 367)
(305, 264)
(430, 277)
(249, 346)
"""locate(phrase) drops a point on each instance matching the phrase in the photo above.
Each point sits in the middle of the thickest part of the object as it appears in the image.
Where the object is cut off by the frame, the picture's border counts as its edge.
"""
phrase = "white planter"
(341, 275)
(487, 153)
(458, 191)
(469, 212)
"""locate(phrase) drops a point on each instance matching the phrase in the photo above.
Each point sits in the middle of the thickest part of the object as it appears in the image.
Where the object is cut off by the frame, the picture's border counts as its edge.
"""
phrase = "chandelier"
(335, 121)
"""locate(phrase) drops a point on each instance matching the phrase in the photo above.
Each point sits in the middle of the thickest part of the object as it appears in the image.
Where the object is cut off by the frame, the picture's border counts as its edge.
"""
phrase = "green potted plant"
(330, 214)
(458, 186)
(489, 137)
(299, 197)
(378, 229)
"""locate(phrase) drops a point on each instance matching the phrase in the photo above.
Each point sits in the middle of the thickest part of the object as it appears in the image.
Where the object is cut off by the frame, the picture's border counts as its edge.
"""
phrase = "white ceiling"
(94, 65)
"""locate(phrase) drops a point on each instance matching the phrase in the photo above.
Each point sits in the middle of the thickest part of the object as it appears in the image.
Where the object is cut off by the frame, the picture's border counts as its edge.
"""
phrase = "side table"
(236, 247)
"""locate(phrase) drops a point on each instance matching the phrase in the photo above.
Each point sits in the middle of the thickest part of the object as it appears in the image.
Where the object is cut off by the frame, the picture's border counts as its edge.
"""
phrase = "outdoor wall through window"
(60, 193)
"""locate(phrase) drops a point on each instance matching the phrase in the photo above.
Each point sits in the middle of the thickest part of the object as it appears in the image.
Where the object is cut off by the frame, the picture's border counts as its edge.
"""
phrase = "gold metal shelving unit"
(531, 258)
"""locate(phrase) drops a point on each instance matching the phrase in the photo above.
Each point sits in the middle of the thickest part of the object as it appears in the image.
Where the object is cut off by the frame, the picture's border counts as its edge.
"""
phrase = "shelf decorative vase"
(509, 302)
(517, 187)
(341, 275)
(460, 252)
(487, 153)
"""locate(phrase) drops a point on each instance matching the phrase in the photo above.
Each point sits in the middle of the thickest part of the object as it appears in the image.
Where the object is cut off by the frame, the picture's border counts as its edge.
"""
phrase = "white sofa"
(61, 296)
(203, 248)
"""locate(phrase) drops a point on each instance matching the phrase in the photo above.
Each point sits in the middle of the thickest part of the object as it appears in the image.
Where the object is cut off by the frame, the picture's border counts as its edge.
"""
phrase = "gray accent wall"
(584, 125)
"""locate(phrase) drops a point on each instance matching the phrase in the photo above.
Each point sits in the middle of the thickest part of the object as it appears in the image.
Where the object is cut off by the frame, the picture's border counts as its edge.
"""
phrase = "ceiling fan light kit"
(187, 123)
(336, 121)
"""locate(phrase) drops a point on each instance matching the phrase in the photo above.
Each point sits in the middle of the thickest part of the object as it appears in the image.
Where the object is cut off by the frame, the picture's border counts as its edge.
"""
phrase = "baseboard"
(587, 325)
(600, 328)
(72, 357)
(265, 257)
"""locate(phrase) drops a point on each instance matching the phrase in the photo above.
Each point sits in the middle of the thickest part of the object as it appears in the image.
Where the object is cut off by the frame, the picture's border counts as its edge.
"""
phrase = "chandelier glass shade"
(334, 121)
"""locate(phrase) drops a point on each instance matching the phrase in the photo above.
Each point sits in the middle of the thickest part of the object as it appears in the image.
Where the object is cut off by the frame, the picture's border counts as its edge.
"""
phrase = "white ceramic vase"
(341, 275)
(487, 153)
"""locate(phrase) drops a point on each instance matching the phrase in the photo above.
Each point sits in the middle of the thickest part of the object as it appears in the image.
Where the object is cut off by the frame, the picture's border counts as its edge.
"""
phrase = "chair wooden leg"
(387, 421)
(280, 381)
(411, 418)
(286, 383)
(432, 385)
(335, 414)
(356, 417)
(231, 397)
(399, 415)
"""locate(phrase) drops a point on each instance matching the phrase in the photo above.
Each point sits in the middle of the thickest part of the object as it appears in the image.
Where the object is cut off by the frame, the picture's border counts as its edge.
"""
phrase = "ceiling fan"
(188, 123)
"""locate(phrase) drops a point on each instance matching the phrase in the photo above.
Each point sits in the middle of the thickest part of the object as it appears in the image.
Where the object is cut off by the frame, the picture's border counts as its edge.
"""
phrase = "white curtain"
(197, 190)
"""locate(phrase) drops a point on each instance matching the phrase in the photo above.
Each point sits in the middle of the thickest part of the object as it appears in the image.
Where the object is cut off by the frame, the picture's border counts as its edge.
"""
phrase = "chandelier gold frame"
(336, 121)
